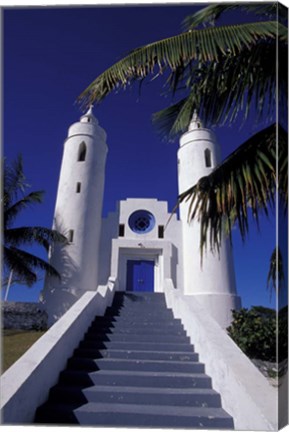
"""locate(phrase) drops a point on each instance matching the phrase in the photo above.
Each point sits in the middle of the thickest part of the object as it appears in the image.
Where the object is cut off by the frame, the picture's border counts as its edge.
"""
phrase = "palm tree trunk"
(8, 285)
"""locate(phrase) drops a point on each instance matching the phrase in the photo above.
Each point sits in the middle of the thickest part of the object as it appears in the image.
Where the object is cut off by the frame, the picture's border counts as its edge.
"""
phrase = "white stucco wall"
(109, 231)
(213, 279)
(81, 211)
(99, 250)
(166, 252)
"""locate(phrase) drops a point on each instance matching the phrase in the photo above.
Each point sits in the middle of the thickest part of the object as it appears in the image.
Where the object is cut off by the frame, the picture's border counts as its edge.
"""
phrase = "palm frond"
(276, 275)
(283, 170)
(210, 14)
(21, 262)
(13, 260)
(222, 91)
(24, 264)
(14, 180)
(203, 46)
(244, 183)
(11, 211)
(30, 235)
(172, 121)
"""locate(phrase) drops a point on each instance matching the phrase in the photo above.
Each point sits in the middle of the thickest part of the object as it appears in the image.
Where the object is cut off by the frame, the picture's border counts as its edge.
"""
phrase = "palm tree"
(218, 70)
(18, 263)
(245, 181)
(226, 73)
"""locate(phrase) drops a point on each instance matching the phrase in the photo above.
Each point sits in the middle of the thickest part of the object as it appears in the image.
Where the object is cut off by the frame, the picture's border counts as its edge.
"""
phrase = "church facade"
(141, 244)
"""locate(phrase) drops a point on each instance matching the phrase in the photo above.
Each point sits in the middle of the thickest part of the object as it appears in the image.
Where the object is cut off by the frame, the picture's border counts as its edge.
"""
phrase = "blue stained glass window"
(141, 221)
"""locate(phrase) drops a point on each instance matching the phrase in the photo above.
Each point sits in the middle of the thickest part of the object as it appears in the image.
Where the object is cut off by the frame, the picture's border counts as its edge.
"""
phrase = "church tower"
(77, 215)
(212, 282)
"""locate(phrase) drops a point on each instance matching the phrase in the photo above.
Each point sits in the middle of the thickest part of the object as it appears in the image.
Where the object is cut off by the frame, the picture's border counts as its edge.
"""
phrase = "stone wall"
(25, 316)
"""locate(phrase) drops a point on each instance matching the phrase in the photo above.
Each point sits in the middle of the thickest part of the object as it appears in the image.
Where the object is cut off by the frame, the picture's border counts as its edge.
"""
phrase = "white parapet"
(246, 394)
(25, 385)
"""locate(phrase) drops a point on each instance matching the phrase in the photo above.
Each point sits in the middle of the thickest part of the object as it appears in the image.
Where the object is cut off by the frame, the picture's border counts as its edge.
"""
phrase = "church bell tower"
(77, 215)
(212, 283)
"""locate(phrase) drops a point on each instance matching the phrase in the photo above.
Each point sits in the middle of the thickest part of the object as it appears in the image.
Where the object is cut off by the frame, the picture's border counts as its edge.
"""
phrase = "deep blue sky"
(50, 56)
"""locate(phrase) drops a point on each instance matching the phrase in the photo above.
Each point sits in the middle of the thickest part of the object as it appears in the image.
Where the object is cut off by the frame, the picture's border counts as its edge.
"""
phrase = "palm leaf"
(24, 264)
(210, 14)
(14, 180)
(13, 260)
(178, 51)
(31, 235)
(283, 170)
(171, 121)
(276, 277)
(222, 91)
(250, 172)
(12, 211)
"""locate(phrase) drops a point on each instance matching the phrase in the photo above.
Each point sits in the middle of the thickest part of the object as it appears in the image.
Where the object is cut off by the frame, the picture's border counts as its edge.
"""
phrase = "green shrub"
(283, 334)
(254, 331)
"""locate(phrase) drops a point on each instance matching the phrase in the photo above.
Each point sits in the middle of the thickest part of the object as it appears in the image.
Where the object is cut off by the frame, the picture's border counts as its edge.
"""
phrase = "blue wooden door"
(140, 275)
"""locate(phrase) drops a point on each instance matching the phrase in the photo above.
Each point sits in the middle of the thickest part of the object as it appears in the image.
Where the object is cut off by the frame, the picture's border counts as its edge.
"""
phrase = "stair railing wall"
(26, 383)
(246, 394)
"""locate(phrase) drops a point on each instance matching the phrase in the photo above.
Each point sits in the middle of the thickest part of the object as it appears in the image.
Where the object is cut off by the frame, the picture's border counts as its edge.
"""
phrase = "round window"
(141, 221)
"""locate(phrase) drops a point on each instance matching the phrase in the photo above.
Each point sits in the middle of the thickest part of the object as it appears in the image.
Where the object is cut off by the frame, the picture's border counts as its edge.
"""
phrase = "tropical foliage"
(255, 332)
(15, 199)
(227, 73)
(217, 70)
(276, 276)
(244, 183)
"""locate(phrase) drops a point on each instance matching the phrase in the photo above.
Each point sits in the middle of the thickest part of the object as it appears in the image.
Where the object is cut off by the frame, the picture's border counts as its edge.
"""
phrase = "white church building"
(135, 245)
(140, 247)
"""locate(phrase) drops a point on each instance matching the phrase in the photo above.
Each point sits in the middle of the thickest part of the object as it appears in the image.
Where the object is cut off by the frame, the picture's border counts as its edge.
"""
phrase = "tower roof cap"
(195, 123)
(88, 117)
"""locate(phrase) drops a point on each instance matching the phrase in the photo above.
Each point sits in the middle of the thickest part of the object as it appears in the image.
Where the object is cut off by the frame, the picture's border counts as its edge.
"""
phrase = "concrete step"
(135, 395)
(142, 308)
(135, 298)
(140, 305)
(88, 365)
(137, 355)
(121, 322)
(135, 294)
(117, 320)
(152, 416)
(149, 416)
(138, 346)
(126, 329)
(135, 337)
(136, 301)
(141, 314)
(134, 378)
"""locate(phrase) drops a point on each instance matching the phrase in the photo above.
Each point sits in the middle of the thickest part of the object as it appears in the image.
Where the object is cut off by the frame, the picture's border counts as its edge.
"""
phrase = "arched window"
(208, 158)
(82, 152)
